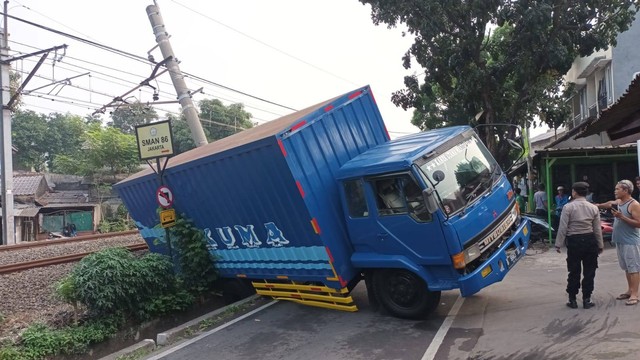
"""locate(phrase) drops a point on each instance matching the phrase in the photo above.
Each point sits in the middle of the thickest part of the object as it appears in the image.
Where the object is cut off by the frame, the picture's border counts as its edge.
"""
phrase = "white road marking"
(442, 332)
(203, 335)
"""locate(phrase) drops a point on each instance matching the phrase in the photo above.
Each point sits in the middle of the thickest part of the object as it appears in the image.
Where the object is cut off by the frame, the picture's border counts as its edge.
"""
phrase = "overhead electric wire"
(136, 57)
(42, 95)
(52, 19)
(265, 44)
(140, 76)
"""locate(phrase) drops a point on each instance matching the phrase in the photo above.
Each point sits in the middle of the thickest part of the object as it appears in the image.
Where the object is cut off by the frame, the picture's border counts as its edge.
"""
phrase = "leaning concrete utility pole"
(184, 96)
(6, 172)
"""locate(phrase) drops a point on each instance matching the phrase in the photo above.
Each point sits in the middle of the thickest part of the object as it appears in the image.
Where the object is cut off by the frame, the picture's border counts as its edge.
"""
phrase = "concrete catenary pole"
(184, 97)
(6, 172)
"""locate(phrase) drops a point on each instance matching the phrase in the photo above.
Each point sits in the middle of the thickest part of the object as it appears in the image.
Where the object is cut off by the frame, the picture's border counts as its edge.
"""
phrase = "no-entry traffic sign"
(164, 196)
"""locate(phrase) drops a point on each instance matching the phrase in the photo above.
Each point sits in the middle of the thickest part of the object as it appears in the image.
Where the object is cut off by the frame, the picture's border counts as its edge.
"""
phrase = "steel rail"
(39, 243)
(5, 269)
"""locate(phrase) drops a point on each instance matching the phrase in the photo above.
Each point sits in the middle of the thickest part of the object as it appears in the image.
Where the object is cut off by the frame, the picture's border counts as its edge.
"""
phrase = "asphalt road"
(523, 317)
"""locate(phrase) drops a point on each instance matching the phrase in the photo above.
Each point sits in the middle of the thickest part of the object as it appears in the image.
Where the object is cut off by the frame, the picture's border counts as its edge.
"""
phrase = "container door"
(404, 226)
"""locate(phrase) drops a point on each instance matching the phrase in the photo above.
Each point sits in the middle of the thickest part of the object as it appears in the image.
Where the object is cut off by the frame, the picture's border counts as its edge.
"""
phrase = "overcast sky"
(291, 52)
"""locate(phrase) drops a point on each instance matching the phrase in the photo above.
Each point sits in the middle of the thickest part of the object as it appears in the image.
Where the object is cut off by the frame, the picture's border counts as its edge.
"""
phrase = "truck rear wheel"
(404, 294)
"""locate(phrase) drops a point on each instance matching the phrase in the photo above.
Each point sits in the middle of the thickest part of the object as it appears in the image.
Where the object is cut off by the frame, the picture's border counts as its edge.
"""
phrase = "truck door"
(403, 224)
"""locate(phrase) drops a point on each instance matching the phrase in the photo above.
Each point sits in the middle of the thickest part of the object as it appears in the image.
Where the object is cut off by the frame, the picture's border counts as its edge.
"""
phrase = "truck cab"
(430, 212)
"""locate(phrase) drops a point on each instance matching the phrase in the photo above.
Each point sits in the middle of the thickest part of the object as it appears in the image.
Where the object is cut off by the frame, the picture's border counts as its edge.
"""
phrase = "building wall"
(626, 58)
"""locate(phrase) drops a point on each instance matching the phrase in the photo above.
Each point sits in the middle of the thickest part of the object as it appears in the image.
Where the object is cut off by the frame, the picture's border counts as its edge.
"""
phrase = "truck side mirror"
(516, 145)
(430, 200)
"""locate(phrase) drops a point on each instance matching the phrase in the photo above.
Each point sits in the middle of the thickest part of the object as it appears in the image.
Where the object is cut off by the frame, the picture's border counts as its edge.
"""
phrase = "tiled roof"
(26, 184)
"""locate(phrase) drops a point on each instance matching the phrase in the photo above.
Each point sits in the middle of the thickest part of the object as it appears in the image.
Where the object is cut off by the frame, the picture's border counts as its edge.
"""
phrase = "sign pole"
(166, 230)
(155, 141)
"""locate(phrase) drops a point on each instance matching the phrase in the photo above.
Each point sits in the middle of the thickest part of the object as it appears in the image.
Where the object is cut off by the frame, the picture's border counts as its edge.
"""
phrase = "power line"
(170, 95)
(264, 43)
(137, 58)
(52, 19)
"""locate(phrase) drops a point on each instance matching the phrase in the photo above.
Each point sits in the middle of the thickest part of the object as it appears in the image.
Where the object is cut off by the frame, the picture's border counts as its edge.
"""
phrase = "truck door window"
(356, 203)
(400, 195)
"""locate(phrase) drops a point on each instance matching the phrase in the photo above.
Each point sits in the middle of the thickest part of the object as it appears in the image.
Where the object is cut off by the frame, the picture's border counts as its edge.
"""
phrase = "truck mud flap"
(312, 295)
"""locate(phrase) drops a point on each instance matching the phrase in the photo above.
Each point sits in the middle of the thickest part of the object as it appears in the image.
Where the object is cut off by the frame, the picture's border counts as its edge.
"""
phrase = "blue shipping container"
(266, 198)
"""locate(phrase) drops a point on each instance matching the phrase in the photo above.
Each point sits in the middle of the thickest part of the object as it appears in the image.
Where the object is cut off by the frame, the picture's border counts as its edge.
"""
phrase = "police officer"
(580, 232)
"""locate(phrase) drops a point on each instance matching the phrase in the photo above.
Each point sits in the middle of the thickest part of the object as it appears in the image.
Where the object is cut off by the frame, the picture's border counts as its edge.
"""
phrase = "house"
(28, 193)
(42, 206)
(69, 202)
(600, 81)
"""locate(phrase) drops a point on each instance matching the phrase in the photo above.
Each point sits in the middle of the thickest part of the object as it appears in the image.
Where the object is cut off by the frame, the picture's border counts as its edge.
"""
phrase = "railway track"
(6, 269)
(62, 251)
(51, 242)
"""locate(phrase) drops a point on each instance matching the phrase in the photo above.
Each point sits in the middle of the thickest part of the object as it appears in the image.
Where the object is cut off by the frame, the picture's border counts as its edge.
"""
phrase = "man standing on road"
(540, 201)
(580, 232)
(626, 236)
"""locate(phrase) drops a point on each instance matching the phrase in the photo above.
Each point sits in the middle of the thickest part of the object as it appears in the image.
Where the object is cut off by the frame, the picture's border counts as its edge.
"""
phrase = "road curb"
(146, 345)
(171, 335)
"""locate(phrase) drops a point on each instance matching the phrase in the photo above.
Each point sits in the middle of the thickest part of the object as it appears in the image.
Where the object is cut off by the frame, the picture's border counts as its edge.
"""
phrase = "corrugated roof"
(590, 150)
(27, 212)
(30, 211)
(67, 197)
(70, 205)
(626, 105)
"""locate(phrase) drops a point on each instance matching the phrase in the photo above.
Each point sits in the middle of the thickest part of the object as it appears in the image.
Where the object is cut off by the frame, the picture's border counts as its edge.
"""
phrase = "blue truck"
(304, 207)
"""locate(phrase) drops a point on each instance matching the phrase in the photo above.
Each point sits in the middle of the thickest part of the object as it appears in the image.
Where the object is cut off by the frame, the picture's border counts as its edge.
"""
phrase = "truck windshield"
(461, 174)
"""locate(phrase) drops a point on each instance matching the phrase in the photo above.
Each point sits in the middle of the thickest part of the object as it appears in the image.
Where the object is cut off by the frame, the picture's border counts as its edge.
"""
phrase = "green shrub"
(115, 225)
(39, 341)
(166, 304)
(195, 263)
(114, 280)
(11, 353)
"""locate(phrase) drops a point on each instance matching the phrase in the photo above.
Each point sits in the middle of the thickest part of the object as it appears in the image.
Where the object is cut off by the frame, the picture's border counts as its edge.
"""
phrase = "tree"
(103, 149)
(222, 120)
(30, 137)
(64, 136)
(93, 119)
(218, 120)
(504, 59)
(126, 117)
(182, 138)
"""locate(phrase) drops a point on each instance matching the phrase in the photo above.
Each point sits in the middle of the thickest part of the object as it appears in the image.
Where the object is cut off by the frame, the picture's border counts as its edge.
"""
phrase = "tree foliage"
(65, 136)
(182, 138)
(127, 117)
(222, 120)
(502, 58)
(104, 150)
(40, 138)
(218, 121)
(30, 137)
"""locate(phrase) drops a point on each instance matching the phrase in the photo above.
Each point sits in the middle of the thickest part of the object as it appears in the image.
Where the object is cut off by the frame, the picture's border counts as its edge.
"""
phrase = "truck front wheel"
(404, 294)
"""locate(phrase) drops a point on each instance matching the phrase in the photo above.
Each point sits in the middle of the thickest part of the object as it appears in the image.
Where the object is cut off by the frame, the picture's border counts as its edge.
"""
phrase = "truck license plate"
(512, 256)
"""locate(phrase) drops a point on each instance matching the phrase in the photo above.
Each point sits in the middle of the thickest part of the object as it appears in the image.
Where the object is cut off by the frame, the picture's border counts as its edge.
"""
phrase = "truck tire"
(235, 290)
(404, 294)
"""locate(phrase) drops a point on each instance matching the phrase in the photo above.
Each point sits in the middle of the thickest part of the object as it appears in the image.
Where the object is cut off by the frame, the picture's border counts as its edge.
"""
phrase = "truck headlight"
(471, 253)
(461, 259)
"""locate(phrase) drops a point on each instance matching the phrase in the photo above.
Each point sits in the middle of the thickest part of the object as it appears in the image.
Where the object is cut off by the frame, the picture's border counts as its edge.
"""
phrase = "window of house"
(608, 75)
(584, 108)
(602, 94)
